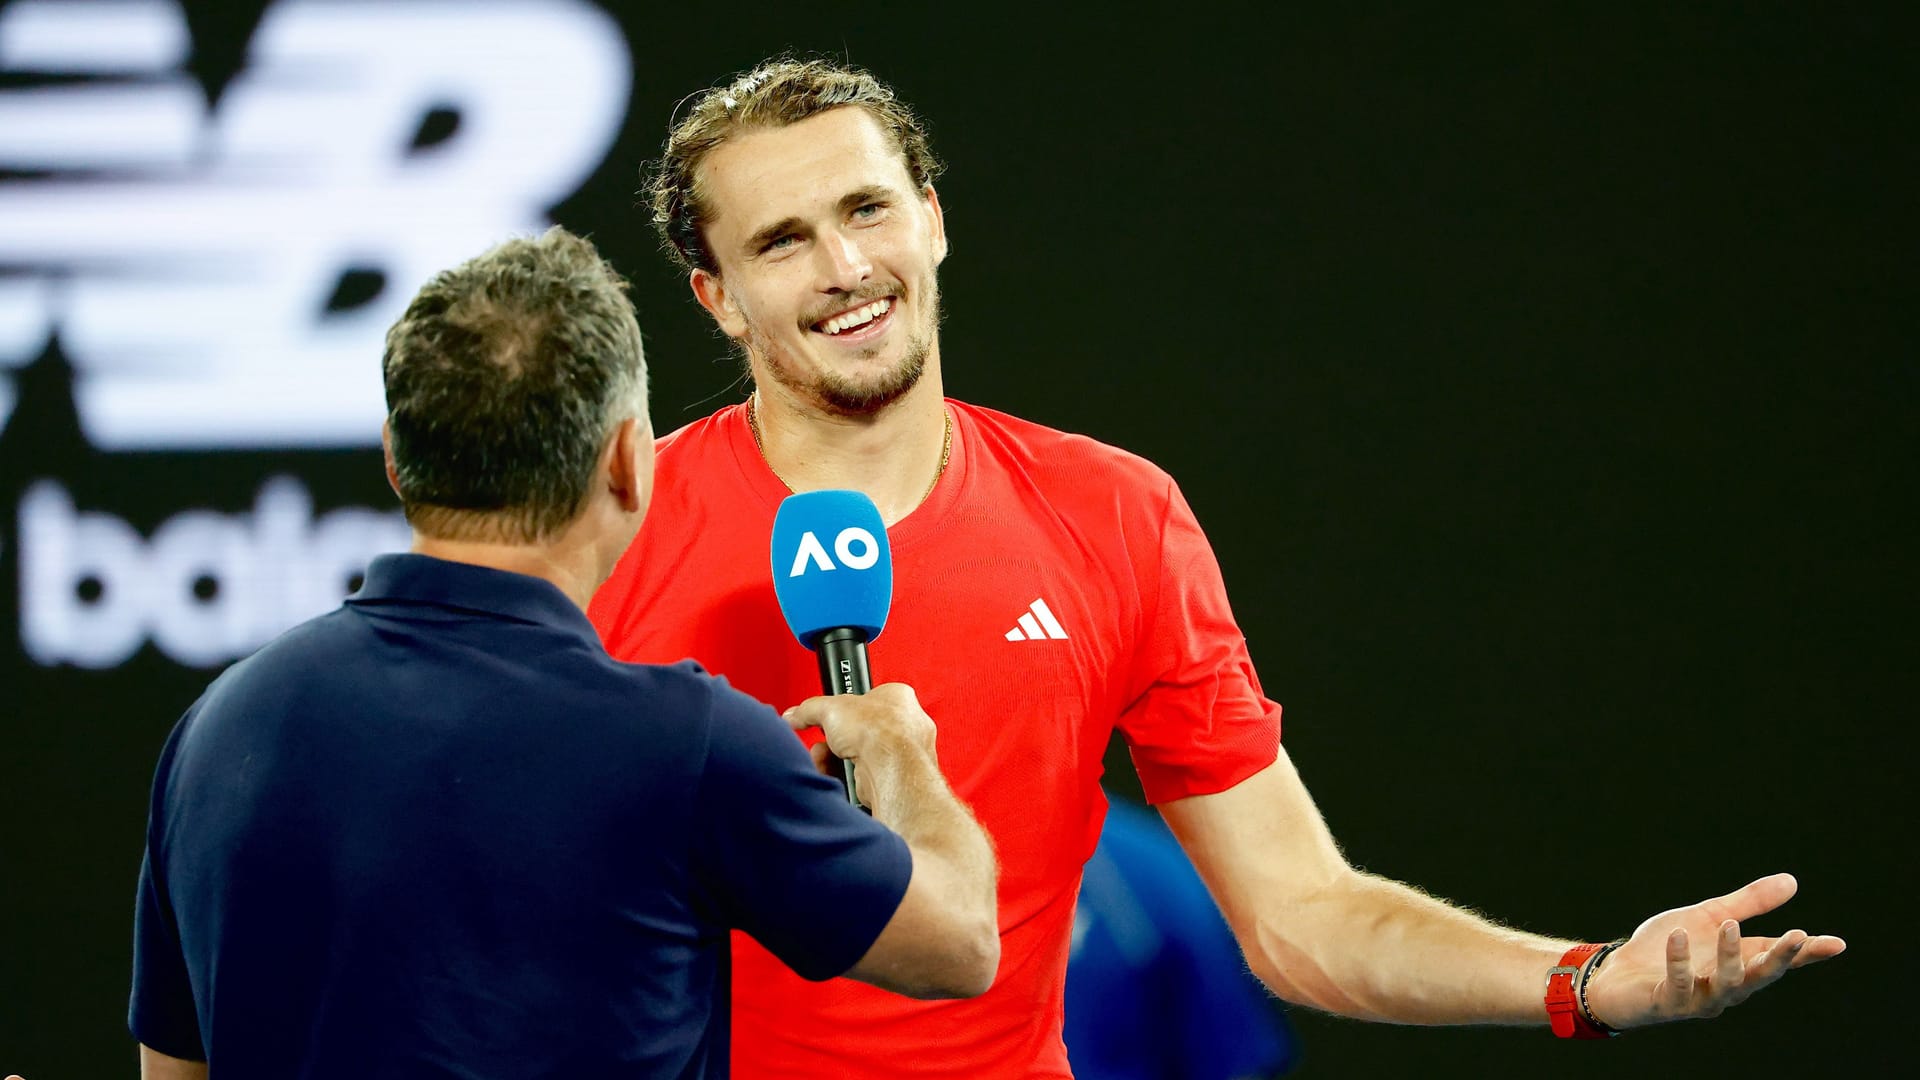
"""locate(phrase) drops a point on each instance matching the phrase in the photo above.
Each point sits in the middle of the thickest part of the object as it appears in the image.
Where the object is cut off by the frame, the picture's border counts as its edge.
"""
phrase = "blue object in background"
(1156, 986)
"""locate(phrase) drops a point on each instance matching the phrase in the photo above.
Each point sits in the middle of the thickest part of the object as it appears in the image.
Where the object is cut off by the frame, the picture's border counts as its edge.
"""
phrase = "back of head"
(777, 93)
(505, 378)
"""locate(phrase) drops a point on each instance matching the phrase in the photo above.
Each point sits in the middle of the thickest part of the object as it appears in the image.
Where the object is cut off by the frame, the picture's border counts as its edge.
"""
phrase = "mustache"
(865, 294)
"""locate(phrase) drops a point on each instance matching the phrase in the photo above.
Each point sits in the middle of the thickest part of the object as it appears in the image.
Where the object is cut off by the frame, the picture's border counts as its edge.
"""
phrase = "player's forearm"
(1367, 947)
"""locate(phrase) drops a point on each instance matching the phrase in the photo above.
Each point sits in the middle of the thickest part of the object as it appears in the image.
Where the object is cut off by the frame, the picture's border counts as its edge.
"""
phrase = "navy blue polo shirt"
(440, 832)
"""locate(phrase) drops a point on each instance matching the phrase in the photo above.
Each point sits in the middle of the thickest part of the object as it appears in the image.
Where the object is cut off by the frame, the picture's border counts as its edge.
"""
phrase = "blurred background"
(1543, 375)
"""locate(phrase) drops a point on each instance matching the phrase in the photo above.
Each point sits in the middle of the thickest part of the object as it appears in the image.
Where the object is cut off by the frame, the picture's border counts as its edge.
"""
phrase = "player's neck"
(894, 455)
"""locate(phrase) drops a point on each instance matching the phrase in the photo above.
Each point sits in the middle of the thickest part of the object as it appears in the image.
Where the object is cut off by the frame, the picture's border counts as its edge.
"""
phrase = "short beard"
(842, 396)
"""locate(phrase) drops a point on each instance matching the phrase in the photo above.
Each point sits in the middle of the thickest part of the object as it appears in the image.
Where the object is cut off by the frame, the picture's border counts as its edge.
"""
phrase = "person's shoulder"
(683, 686)
(695, 438)
(661, 715)
(734, 731)
(313, 645)
(1079, 461)
(697, 465)
(315, 656)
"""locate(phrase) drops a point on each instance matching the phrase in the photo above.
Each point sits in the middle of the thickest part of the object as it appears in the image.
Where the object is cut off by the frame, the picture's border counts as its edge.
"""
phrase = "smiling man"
(1048, 590)
(834, 242)
(865, 346)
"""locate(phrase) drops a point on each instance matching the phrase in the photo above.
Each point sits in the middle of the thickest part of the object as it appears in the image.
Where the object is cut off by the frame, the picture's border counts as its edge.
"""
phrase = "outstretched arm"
(1323, 934)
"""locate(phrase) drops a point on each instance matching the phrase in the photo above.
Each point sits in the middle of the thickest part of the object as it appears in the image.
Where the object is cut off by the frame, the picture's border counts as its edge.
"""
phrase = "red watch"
(1567, 993)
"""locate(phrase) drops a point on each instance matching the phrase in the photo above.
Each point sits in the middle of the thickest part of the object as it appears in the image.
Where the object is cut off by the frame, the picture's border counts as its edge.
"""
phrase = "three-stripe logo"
(1037, 624)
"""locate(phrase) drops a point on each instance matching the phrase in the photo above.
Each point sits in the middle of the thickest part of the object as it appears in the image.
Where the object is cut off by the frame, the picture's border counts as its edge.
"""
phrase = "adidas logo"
(1038, 624)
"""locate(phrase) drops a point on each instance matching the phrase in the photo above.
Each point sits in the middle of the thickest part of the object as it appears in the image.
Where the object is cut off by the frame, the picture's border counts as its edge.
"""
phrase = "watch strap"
(1567, 1011)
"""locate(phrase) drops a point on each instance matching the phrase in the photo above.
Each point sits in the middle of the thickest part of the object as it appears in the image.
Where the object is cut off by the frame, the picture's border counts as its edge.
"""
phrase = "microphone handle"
(843, 670)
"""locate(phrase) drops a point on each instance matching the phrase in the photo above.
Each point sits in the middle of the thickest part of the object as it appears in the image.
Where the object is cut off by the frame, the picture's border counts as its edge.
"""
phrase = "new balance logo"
(1038, 624)
(225, 277)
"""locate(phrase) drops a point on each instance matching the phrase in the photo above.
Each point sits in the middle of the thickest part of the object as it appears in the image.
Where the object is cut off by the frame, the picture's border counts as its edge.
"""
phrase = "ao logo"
(186, 258)
(813, 552)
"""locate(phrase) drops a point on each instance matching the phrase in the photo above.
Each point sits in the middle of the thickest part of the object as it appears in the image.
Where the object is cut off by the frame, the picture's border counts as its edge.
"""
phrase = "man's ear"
(629, 468)
(713, 295)
(386, 451)
(939, 226)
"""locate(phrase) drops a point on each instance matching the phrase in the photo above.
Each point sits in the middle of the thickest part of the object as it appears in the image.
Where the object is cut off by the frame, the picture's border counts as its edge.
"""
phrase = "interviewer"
(439, 831)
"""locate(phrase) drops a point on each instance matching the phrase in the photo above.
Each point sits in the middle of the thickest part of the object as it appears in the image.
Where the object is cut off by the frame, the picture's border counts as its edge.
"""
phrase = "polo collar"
(410, 578)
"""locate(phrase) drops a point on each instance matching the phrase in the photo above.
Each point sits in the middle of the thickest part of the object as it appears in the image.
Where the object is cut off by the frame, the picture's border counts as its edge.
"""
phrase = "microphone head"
(831, 564)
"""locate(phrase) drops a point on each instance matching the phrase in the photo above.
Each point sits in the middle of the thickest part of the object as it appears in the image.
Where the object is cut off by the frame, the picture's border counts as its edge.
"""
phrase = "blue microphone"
(833, 576)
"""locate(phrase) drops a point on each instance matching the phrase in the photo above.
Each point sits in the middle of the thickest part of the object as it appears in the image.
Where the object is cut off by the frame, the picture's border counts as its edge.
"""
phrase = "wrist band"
(1586, 976)
(1567, 1011)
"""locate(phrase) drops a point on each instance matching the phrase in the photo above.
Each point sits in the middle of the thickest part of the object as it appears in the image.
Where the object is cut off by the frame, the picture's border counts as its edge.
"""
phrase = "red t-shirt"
(1050, 589)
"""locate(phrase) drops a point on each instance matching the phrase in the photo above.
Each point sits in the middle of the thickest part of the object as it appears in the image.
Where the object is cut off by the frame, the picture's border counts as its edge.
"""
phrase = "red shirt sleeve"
(1197, 720)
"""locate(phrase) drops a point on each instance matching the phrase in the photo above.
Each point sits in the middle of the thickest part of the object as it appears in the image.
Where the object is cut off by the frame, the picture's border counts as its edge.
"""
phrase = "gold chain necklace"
(946, 447)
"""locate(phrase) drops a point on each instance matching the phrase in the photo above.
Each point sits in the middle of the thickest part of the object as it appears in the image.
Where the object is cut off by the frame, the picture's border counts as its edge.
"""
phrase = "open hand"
(1692, 962)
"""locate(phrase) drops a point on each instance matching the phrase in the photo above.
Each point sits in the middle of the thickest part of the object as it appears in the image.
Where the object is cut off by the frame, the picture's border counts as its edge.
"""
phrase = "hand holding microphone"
(833, 576)
(884, 727)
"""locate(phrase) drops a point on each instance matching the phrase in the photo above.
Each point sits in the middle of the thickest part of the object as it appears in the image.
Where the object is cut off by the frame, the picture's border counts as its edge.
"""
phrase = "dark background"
(1536, 373)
